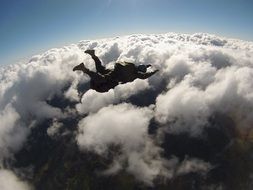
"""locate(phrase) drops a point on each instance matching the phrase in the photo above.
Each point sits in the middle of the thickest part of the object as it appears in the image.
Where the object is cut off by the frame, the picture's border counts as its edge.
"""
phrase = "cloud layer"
(199, 76)
(8, 181)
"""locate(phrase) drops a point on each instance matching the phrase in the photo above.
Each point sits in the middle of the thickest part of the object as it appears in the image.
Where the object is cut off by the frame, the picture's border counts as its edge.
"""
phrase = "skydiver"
(105, 79)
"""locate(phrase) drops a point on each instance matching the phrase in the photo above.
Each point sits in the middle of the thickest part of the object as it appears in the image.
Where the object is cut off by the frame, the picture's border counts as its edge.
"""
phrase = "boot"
(90, 52)
(79, 67)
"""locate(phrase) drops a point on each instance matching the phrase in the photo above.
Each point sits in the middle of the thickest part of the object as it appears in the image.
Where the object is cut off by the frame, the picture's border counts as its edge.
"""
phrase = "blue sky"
(33, 26)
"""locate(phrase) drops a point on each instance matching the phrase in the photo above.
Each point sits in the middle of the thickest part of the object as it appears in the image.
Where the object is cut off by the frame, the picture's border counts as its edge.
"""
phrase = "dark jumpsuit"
(105, 79)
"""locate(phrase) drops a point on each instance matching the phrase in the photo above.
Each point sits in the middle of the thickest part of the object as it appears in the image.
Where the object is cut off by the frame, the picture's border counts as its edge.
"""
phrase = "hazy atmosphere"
(187, 126)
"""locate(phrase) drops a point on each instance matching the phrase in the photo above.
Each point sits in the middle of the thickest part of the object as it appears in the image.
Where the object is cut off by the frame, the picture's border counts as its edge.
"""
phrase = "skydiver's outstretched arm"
(141, 75)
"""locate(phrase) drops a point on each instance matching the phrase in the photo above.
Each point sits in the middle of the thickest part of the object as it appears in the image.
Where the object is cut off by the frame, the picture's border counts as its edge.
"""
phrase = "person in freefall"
(105, 79)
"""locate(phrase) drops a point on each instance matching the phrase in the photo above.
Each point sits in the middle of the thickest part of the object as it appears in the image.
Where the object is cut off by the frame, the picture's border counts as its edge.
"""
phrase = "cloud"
(53, 130)
(192, 165)
(184, 108)
(122, 124)
(199, 76)
(9, 181)
(12, 134)
(92, 101)
(26, 92)
(125, 126)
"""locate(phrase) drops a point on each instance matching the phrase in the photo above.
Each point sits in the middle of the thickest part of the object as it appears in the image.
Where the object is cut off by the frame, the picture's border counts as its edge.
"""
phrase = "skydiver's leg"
(81, 67)
(99, 67)
(98, 82)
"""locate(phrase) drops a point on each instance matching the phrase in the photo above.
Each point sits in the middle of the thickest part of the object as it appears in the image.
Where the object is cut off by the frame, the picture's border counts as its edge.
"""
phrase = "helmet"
(142, 68)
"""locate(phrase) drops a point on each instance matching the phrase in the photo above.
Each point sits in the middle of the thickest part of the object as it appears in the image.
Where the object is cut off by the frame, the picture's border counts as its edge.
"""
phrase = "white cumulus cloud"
(9, 181)
(199, 75)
